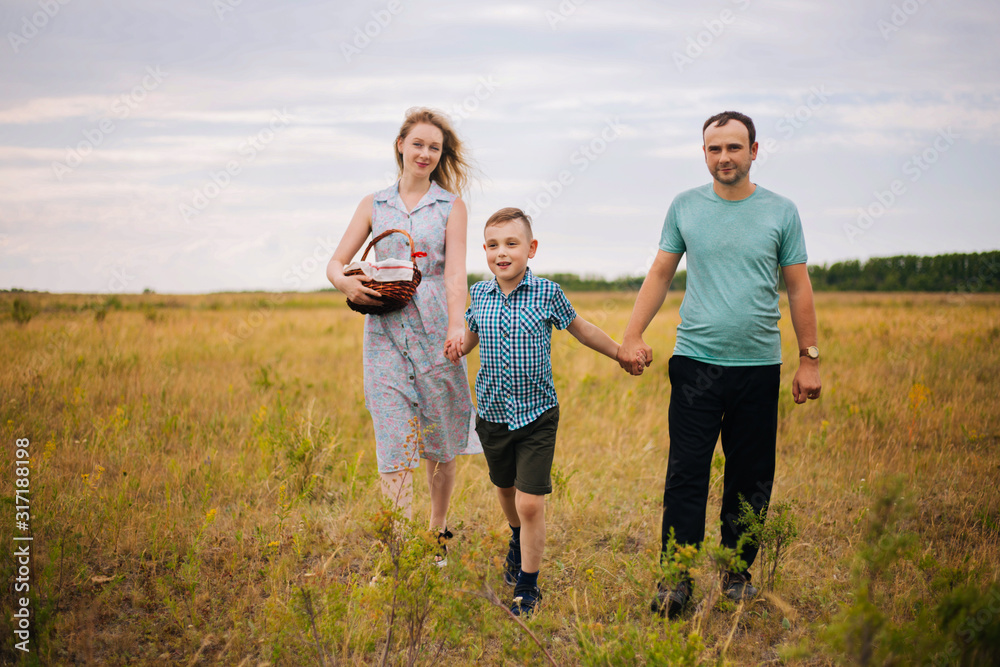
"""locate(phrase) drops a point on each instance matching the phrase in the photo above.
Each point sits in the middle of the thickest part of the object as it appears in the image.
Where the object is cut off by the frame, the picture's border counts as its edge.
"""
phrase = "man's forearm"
(806, 385)
(651, 296)
(803, 312)
(800, 303)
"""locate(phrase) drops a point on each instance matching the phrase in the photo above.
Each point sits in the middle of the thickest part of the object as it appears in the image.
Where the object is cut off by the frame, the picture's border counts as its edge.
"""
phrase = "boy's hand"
(449, 351)
(453, 345)
(634, 357)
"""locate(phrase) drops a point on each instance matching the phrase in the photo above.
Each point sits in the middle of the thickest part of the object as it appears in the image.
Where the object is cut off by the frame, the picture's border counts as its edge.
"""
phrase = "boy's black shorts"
(523, 457)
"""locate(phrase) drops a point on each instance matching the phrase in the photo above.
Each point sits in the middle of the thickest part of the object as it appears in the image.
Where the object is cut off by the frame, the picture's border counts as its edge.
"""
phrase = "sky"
(194, 146)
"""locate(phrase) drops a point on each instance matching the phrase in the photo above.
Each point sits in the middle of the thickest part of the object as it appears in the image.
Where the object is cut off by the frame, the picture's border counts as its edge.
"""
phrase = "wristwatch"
(812, 352)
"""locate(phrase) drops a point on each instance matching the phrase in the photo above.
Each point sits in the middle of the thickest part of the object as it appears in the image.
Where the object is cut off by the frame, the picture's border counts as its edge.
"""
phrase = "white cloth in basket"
(384, 271)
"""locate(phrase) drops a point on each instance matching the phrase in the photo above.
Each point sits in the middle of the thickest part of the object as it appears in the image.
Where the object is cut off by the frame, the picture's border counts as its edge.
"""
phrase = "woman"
(420, 403)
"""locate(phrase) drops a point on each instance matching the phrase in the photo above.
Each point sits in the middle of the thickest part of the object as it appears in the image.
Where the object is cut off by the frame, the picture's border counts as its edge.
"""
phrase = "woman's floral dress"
(420, 402)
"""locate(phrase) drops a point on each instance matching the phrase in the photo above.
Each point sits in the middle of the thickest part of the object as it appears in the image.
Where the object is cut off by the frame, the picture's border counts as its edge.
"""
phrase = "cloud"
(52, 109)
(525, 93)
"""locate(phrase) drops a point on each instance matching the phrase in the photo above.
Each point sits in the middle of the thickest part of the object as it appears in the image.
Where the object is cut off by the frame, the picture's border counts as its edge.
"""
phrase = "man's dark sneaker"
(512, 566)
(671, 601)
(525, 600)
(737, 586)
(441, 557)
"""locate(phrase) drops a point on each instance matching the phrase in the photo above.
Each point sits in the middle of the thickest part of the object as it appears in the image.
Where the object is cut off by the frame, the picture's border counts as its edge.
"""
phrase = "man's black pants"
(741, 402)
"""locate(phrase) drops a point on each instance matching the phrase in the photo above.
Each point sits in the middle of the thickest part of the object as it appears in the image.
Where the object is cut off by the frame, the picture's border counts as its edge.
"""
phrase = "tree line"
(957, 272)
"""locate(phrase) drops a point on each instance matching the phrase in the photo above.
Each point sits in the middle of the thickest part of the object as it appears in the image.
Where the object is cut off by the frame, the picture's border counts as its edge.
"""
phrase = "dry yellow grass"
(199, 463)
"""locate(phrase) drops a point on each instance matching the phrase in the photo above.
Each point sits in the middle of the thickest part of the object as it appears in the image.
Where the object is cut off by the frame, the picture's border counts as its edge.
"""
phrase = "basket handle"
(413, 253)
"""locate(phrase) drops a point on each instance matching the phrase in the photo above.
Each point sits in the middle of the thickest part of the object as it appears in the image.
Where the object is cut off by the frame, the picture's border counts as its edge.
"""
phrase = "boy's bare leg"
(397, 487)
(531, 511)
(441, 481)
(507, 504)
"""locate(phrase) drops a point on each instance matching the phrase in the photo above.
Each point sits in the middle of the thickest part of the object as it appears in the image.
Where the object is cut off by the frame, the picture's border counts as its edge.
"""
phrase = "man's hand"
(634, 356)
(806, 384)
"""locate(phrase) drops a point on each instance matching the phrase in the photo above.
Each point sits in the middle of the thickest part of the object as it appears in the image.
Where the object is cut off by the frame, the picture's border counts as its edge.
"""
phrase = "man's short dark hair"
(721, 119)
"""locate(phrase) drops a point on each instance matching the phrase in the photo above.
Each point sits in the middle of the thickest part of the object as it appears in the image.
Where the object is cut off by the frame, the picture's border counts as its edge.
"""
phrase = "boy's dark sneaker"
(671, 601)
(512, 566)
(737, 586)
(525, 600)
(441, 557)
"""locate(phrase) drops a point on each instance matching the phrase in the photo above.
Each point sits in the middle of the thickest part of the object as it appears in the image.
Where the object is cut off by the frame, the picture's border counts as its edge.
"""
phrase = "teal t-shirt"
(730, 313)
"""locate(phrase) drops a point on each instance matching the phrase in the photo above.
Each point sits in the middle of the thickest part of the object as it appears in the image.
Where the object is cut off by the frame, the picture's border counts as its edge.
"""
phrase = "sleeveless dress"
(420, 402)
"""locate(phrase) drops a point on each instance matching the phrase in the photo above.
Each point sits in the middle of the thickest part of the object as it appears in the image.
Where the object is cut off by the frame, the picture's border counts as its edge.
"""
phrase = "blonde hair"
(452, 171)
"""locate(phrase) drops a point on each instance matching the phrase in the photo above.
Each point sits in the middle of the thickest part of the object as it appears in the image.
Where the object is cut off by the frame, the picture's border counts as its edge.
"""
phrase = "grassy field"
(203, 491)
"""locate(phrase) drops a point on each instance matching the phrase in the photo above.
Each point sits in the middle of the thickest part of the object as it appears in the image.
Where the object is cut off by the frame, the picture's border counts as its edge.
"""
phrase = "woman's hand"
(356, 292)
(454, 343)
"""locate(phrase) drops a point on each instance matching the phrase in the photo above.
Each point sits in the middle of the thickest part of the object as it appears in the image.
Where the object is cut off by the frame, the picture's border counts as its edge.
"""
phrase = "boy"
(517, 411)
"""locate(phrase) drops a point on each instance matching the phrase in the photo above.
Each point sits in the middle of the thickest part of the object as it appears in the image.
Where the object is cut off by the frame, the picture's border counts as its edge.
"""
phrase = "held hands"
(356, 292)
(454, 344)
(634, 356)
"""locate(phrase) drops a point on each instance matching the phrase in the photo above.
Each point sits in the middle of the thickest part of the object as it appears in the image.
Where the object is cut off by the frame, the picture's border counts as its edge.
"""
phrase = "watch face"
(813, 352)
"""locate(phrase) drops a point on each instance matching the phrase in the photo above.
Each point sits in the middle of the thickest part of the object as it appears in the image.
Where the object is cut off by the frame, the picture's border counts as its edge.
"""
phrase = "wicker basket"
(395, 294)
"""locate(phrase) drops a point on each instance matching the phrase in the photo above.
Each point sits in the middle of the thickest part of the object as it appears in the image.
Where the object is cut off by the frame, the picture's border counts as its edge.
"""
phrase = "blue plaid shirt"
(514, 385)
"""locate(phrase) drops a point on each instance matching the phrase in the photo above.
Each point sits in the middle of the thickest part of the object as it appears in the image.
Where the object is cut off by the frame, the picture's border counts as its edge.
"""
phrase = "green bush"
(962, 627)
(21, 311)
(772, 530)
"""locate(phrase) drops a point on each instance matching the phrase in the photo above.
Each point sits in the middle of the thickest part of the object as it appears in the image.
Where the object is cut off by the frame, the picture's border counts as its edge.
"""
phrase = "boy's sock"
(527, 580)
(512, 565)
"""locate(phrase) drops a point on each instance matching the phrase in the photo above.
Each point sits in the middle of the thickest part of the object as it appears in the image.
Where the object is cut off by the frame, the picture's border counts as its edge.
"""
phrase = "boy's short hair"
(508, 214)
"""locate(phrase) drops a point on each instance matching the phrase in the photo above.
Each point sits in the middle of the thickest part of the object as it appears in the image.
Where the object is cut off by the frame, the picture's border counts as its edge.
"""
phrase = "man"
(725, 372)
